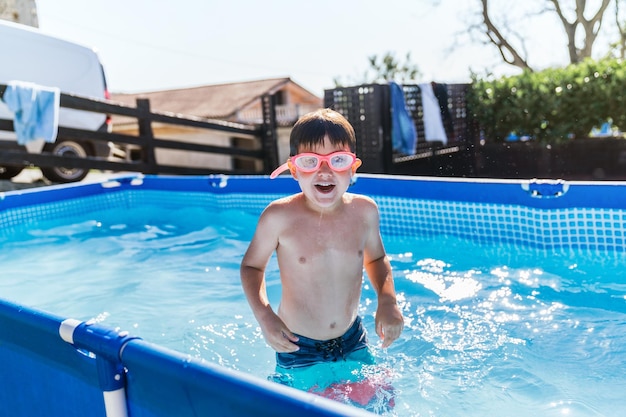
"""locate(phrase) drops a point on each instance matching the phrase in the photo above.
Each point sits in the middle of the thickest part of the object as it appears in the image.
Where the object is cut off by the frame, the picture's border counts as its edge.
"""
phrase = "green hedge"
(551, 105)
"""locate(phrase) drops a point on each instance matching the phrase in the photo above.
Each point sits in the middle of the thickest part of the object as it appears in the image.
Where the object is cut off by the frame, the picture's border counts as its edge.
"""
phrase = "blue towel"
(403, 133)
(36, 111)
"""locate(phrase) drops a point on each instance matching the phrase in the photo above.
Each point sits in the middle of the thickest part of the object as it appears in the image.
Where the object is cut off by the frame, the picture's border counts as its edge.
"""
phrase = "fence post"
(269, 138)
(145, 132)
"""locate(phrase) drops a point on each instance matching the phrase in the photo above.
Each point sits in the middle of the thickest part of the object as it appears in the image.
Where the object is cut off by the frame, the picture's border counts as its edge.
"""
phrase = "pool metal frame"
(58, 366)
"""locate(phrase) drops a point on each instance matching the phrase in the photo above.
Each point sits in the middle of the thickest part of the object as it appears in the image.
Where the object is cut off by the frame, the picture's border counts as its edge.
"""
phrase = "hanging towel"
(403, 133)
(433, 125)
(36, 110)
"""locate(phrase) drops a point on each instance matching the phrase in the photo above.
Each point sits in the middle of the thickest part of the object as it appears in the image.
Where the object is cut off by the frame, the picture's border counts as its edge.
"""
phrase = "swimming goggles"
(309, 162)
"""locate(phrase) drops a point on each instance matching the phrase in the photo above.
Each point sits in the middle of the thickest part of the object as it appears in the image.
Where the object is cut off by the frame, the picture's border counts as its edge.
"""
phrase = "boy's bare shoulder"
(285, 201)
(281, 204)
(276, 214)
(361, 200)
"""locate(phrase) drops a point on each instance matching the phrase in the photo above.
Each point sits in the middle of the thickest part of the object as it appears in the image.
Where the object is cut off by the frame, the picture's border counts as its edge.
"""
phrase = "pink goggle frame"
(310, 162)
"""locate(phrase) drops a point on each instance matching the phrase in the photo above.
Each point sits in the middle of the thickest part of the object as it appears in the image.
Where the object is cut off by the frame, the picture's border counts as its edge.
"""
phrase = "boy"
(323, 237)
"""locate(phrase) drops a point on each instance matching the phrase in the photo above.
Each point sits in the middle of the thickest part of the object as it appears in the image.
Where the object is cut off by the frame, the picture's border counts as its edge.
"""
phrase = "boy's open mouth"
(325, 187)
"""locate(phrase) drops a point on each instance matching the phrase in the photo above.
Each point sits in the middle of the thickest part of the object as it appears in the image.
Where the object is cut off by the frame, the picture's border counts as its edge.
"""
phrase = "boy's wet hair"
(311, 129)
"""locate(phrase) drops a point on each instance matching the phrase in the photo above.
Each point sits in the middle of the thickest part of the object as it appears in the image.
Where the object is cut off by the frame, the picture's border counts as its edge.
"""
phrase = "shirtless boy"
(323, 238)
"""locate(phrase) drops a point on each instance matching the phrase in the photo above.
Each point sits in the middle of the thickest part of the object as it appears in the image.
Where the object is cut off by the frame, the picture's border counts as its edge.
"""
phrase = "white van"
(32, 56)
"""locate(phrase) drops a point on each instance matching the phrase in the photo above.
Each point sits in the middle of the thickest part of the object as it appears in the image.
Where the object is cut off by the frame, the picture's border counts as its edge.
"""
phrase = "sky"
(149, 45)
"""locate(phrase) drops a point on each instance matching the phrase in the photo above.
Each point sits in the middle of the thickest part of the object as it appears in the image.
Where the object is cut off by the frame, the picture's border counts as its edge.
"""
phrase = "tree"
(620, 23)
(581, 23)
(385, 68)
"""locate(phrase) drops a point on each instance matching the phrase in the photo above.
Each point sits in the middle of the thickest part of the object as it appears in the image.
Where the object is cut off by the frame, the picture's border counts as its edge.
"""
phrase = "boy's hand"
(278, 336)
(389, 323)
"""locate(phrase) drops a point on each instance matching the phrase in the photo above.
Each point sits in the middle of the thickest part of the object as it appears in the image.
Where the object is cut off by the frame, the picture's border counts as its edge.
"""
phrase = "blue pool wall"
(57, 366)
(538, 214)
(104, 372)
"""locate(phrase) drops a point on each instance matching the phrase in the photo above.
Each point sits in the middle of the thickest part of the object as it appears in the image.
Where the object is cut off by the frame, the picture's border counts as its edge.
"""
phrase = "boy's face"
(324, 186)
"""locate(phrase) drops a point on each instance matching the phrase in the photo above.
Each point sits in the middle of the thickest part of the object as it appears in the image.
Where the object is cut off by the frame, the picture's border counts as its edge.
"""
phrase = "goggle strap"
(284, 167)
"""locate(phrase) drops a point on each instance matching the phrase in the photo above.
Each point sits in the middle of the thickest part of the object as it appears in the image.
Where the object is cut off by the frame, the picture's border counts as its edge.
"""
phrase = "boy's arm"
(389, 320)
(252, 272)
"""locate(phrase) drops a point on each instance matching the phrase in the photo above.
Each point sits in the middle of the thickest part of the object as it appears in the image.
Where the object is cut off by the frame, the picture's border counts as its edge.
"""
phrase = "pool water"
(490, 330)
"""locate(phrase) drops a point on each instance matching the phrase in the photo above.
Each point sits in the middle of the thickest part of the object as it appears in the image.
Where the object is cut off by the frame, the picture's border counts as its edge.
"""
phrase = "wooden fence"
(266, 152)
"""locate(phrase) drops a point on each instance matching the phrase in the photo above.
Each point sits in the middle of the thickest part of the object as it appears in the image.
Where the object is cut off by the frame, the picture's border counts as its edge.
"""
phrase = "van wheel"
(61, 174)
(9, 171)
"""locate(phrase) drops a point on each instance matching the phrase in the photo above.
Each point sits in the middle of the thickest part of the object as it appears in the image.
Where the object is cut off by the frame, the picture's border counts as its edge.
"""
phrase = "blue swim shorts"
(314, 351)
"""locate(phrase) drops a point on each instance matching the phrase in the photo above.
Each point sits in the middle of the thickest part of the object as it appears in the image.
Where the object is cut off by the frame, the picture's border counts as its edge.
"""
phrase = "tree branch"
(591, 28)
(507, 51)
(621, 44)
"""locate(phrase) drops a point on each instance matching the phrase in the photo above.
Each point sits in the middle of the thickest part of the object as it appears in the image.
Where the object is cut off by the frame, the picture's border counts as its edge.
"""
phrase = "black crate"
(367, 107)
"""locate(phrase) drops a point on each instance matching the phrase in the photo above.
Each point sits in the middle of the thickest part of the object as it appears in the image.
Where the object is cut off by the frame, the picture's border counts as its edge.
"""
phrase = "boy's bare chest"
(326, 236)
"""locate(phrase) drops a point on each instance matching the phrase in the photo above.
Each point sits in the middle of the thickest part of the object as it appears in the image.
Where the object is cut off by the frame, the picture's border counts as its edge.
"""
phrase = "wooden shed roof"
(218, 101)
